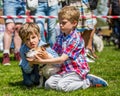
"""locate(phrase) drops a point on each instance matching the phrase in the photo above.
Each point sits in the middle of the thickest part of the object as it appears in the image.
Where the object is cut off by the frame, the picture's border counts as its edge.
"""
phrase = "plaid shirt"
(73, 46)
(86, 23)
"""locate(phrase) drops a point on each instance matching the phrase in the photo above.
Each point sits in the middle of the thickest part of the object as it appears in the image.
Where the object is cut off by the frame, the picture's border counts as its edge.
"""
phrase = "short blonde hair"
(28, 29)
(71, 13)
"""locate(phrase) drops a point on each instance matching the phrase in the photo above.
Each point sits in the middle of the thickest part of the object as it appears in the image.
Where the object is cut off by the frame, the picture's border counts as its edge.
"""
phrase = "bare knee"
(10, 28)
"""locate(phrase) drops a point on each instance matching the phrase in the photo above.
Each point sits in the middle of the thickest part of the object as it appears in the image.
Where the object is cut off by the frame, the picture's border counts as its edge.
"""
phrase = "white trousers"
(66, 82)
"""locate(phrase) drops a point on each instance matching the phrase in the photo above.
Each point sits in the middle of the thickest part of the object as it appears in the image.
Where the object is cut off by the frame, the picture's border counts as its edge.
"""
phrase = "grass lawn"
(106, 66)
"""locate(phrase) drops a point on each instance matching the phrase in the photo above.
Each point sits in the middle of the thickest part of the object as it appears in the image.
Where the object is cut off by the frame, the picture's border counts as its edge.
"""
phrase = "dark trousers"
(31, 78)
(116, 30)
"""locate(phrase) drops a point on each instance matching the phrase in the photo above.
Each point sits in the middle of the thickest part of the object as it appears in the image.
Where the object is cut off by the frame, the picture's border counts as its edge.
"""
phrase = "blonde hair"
(71, 13)
(28, 29)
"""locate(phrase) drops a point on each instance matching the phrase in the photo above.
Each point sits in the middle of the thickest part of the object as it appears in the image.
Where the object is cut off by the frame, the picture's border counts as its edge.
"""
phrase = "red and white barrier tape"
(24, 16)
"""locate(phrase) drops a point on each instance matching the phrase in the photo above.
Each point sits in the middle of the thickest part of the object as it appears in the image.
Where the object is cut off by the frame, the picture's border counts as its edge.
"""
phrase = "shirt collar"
(69, 35)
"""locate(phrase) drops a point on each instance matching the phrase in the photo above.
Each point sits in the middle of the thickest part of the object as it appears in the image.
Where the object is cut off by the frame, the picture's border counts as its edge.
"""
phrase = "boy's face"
(32, 40)
(66, 26)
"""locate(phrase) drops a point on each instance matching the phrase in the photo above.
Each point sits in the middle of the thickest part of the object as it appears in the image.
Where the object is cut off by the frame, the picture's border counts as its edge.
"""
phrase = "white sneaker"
(89, 54)
(89, 60)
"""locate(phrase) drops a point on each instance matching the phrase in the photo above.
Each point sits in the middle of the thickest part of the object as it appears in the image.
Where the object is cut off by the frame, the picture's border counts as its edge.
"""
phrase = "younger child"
(30, 35)
(71, 50)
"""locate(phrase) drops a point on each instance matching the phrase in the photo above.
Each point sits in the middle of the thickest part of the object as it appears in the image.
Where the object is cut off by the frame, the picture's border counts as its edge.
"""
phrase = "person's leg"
(35, 75)
(27, 79)
(40, 11)
(7, 42)
(52, 81)
(17, 42)
(52, 11)
(8, 9)
(72, 81)
(8, 35)
(117, 31)
(20, 10)
(119, 38)
(88, 38)
(30, 79)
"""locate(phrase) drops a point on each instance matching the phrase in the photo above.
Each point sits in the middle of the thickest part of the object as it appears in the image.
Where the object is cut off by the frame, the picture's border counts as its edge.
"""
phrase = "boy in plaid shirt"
(70, 47)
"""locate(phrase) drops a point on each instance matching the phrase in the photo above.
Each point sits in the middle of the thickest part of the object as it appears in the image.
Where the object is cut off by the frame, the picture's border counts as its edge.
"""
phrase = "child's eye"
(27, 39)
(63, 23)
(34, 37)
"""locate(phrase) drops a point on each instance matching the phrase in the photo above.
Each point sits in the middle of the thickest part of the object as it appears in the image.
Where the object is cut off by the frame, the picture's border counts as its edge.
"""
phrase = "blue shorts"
(89, 24)
(14, 8)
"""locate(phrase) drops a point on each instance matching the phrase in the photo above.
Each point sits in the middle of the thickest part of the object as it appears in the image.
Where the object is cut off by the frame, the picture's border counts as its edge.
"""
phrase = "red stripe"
(28, 16)
(10, 17)
(40, 16)
(115, 17)
(104, 16)
(94, 17)
(20, 16)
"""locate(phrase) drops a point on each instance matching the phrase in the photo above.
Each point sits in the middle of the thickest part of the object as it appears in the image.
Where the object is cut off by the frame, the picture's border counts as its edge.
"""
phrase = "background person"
(86, 26)
(12, 7)
(47, 8)
(114, 10)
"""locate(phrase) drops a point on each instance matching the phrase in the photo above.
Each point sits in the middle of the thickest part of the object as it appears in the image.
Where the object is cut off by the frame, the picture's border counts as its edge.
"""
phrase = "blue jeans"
(31, 78)
(116, 30)
(14, 7)
(45, 10)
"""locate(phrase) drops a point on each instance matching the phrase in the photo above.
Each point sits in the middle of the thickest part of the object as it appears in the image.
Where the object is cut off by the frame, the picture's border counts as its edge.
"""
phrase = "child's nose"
(31, 40)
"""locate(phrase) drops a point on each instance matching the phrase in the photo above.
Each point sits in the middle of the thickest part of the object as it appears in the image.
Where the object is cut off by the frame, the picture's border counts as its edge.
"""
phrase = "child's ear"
(39, 37)
(75, 22)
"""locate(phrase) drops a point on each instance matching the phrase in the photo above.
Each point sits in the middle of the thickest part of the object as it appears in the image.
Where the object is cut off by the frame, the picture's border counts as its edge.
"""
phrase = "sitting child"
(30, 35)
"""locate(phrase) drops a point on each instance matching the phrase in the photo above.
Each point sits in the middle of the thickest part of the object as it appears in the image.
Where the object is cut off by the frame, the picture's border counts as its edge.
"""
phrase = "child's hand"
(36, 60)
(43, 55)
(31, 61)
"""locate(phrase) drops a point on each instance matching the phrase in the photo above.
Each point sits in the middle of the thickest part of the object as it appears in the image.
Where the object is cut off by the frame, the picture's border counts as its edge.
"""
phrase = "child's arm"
(24, 64)
(57, 60)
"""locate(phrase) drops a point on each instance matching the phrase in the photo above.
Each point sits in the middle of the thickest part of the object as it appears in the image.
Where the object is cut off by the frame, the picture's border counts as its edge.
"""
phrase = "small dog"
(98, 43)
(45, 70)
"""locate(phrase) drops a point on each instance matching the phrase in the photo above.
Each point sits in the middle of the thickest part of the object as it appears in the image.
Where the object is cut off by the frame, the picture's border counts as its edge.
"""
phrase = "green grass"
(106, 66)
